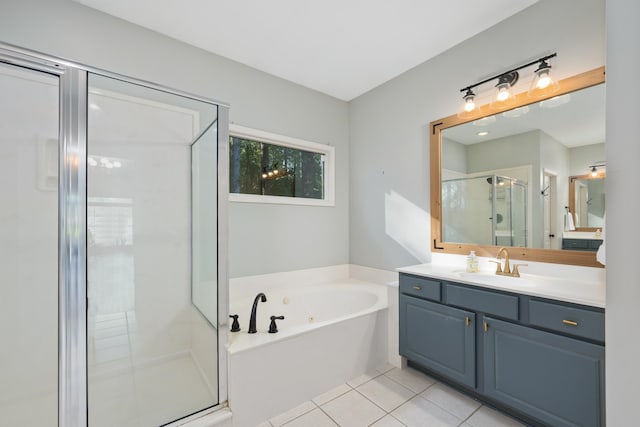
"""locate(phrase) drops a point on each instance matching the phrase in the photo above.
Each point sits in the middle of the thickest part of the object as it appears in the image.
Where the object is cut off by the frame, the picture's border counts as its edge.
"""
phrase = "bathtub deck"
(391, 397)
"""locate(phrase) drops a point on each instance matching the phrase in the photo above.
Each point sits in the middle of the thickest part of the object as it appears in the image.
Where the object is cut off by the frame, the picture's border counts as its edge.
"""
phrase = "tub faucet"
(252, 320)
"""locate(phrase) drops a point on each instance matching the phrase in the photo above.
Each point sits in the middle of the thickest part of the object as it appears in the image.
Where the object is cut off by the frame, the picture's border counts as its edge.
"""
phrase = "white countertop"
(581, 235)
(561, 289)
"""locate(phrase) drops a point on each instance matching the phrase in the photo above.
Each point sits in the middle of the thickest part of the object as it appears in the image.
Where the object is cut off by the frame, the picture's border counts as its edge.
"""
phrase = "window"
(269, 168)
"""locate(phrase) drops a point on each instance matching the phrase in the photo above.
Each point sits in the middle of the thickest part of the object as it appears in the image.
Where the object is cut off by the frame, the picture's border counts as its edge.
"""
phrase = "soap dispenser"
(472, 262)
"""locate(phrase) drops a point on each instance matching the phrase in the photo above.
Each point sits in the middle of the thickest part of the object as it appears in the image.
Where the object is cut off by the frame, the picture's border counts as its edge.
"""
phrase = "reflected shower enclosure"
(485, 210)
(111, 226)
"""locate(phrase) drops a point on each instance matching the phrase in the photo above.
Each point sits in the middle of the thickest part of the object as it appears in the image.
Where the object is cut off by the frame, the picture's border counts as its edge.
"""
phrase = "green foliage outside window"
(260, 168)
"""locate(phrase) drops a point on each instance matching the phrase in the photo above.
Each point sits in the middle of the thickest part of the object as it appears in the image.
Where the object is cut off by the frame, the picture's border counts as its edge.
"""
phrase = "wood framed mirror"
(587, 201)
(523, 199)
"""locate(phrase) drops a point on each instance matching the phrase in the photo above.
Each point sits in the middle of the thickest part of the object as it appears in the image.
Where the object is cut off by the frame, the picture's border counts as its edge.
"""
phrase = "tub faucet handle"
(235, 326)
(273, 328)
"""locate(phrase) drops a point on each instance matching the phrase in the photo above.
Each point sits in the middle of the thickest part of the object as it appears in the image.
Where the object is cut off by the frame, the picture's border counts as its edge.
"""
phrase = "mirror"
(500, 177)
(587, 201)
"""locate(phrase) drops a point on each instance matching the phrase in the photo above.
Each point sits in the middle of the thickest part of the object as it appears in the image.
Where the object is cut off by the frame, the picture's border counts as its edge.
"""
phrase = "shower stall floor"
(129, 394)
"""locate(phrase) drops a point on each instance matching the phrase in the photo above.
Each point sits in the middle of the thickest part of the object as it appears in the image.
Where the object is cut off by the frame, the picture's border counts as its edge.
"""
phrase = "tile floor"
(392, 397)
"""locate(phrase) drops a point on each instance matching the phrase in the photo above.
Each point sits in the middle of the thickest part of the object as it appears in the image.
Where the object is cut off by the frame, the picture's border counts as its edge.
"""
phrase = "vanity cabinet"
(540, 359)
(439, 337)
(555, 379)
(581, 244)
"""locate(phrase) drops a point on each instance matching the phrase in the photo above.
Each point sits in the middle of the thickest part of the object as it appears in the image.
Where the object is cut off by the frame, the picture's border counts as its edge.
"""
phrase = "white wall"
(389, 125)
(67, 29)
(623, 205)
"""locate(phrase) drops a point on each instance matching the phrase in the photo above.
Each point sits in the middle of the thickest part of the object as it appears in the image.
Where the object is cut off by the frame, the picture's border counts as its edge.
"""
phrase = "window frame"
(299, 144)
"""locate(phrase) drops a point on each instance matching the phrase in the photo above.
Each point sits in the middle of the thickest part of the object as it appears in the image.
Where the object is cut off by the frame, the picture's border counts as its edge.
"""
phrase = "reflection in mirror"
(587, 201)
(503, 179)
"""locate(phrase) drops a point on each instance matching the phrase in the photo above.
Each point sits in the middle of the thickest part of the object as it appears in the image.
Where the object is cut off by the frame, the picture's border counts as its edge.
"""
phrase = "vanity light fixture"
(542, 81)
(275, 172)
(505, 83)
(594, 168)
(469, 103)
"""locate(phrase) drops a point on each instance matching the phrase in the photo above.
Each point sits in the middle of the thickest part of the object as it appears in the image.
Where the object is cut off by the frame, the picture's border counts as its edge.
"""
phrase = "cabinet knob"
(486, 326)
(468, 321)
(569, 322)
(417, 288)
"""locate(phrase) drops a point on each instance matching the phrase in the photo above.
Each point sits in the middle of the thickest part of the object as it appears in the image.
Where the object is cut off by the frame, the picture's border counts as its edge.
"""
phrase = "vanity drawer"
(570, 320)
(595, 244)
(420, 287)
(577, 244)
(484, 301)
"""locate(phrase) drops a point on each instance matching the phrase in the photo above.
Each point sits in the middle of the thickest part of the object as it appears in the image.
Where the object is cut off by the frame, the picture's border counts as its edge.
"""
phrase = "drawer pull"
(569, 322)
(468, 321)
(417, 288)
(486, 326)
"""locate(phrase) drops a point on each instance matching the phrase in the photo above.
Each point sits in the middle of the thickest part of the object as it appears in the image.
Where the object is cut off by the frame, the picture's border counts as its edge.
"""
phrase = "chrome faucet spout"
(252, 320)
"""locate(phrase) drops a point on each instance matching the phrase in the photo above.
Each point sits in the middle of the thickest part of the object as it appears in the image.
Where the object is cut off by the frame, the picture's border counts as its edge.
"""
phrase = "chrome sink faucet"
(252, 320)
(506, 271)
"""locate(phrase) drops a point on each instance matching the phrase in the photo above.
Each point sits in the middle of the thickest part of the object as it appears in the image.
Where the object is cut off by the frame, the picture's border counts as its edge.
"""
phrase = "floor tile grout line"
(398, 382)
(448, 411)
(387, 412)
(296, 417)
(330, 417)
(471, 415)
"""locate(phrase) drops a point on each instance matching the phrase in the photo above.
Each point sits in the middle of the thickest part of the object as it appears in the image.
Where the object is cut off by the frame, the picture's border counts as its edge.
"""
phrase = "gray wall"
(263, 238)
(389, 137)
(623, 205)
(554, 157)
(583, 157)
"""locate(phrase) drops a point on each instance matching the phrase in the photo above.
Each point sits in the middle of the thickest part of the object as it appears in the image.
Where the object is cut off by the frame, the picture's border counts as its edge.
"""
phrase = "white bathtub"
(331, 333)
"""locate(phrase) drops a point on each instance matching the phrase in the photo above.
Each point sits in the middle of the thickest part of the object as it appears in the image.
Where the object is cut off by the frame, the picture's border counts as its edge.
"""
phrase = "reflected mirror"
(513, 176)
(587, 202)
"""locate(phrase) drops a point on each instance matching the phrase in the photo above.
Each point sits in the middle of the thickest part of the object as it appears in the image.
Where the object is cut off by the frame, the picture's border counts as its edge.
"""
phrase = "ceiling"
(342, 48)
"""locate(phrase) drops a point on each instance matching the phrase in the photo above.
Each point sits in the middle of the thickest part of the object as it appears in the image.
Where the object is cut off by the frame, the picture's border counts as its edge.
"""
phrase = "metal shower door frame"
(72, 229)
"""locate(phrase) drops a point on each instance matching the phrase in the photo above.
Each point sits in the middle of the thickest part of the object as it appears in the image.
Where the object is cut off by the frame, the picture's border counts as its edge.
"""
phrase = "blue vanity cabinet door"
(556, 379)
(438, 337)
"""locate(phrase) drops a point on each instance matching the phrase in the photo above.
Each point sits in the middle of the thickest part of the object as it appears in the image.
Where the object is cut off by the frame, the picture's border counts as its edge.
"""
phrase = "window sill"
(279, 200)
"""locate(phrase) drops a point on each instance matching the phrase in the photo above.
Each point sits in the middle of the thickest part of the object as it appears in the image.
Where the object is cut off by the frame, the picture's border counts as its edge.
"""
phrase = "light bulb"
(270, 173)
(594, 171)
(264, 175)
(503, 92)
(542, 83)
(469, 105)
(275, 171)
(544, 79)
(469, 101)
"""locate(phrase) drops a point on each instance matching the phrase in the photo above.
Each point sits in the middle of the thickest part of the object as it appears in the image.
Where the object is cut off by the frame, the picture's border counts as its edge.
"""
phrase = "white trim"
(299, 144)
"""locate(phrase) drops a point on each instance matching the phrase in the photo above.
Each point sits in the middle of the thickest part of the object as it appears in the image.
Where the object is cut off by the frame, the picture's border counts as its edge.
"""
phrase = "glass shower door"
(29, 147)
(151, 227)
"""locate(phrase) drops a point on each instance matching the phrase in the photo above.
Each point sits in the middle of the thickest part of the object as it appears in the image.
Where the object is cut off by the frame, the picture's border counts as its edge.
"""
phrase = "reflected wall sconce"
(542, 83)
(594, 168)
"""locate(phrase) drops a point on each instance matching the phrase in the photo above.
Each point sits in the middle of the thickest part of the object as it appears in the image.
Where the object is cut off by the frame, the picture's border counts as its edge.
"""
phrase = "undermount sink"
(493, 279)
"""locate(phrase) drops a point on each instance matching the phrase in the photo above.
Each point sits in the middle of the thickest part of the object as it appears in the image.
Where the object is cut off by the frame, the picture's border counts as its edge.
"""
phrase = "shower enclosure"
(112, 248)
(485, 210)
